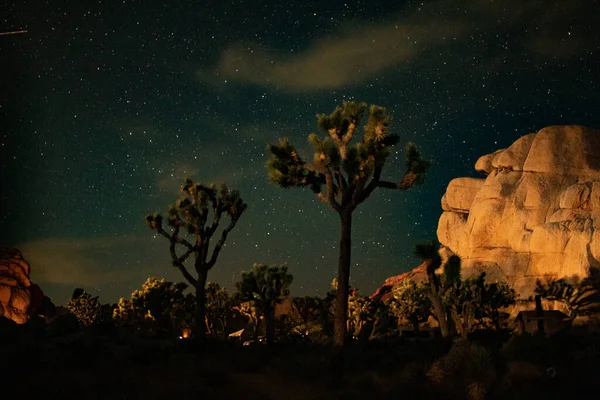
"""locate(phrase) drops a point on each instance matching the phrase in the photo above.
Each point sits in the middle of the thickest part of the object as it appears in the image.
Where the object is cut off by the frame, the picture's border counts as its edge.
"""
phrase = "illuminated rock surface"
(15, 287)
(534, 215)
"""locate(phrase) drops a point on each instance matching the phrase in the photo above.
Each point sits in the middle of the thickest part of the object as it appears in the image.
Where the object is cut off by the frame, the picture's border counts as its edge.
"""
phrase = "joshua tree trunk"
(496, 317)
(415, 323)
(269, 323)
(256, 329)
(341, 300)
(462, 324)
(200, 320)
(440, 313)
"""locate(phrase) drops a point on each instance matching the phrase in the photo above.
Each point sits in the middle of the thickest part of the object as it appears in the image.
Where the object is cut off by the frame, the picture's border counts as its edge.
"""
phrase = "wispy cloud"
(359, 52)
(81, 262)
(345, 58)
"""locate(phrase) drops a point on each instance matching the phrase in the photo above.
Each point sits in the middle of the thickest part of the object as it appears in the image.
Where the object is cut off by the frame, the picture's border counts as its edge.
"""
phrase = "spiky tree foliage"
(494, 297)
(463, 299)
(343, 175)
(198, 215)
(85, 307)
(580, 297)
(439, 284)
(265, 286)
(411, 302)
(124, 314)
(361, 311)
(219, 306)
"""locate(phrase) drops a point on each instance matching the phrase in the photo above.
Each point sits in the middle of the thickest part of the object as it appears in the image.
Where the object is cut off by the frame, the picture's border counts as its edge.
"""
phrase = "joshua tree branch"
(409, 180)
(348, 136)
(373, 184)
(331, 191)
(220, 243)
(342, 183)
(178, 261)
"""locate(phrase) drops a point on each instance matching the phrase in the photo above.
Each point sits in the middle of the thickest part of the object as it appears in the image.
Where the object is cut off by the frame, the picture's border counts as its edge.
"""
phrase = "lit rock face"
(536, 212)
(16, 289)
(385, 292)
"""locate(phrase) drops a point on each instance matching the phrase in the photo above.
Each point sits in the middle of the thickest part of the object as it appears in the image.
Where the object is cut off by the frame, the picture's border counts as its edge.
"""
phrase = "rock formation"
(18, 296)
(536, 212)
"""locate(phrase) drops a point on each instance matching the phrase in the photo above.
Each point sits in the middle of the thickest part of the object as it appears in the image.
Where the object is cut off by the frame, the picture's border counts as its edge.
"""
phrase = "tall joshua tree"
(343, 175)
(191, 213)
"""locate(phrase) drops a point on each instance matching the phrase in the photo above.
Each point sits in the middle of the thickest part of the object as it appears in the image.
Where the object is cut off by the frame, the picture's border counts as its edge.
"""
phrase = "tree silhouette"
(361, 312)
(494, 296)
(343, 175)
(159, 303)
(191, 213)
(311, 315)
(219, 306)
(580, 297)
(463, 298)
(265, 286)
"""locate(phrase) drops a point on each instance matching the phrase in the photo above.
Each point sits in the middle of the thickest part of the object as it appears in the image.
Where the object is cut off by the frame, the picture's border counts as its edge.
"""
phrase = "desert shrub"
(467, 370)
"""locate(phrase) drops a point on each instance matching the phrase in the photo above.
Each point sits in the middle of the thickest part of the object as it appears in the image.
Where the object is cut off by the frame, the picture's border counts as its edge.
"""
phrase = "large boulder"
(534, 215)
(18, 297)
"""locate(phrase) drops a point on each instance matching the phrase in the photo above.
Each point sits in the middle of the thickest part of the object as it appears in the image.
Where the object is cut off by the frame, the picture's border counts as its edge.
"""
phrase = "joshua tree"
(494, 296)
(191, 213)
(411, 302)
(361, 311)
(343, 175)
(265, 286)
(158, 301)
(311, 315)
(219, 306)
(463, 298)
(438, 285)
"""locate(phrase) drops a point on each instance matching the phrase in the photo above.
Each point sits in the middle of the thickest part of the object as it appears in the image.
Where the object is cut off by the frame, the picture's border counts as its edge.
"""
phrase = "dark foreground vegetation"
(120, 365)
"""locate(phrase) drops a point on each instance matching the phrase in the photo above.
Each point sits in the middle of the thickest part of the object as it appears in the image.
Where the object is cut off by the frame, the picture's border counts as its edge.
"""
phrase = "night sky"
(106, 107)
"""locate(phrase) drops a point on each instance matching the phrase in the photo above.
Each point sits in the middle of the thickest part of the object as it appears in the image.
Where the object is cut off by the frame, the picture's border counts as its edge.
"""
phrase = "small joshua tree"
(343, 175)
(199, 214)
(265, 286)
(494, 297)
(219, 306)
(85, 307)
(361, 311)
(411, 302)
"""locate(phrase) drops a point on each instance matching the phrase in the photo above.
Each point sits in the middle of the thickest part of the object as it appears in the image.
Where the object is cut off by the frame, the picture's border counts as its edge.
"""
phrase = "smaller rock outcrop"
(18, 296)
(417, 275)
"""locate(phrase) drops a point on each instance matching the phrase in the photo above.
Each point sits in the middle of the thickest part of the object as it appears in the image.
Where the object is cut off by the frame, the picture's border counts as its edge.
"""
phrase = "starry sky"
(107, 106)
